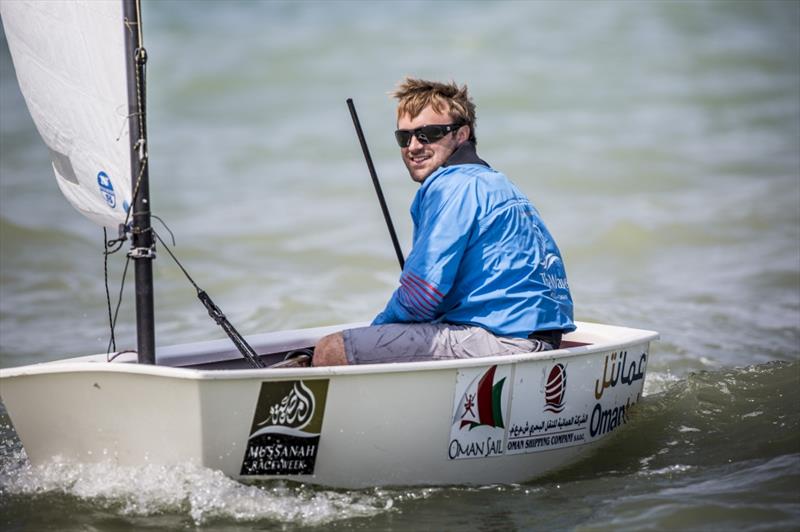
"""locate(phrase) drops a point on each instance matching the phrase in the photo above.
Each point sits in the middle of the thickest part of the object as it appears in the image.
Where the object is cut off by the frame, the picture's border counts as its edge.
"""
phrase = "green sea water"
(659, 139)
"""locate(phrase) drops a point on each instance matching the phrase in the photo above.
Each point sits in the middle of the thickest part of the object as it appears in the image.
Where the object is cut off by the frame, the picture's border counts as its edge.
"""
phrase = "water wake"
(200, 494)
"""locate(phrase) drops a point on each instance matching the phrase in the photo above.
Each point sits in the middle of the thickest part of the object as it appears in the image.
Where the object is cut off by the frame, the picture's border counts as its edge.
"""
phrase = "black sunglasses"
(425, 134)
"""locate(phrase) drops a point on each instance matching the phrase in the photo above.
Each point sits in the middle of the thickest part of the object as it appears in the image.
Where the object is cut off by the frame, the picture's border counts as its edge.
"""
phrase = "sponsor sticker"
(286, 428)
(542, 405)
(559, 405)
(544, 413)
(480, 412)
(107, 189)
(622, 376)
(555, 389)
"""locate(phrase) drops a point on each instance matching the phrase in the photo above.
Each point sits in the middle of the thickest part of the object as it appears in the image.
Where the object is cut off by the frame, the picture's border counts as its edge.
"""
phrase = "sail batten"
(70, 62)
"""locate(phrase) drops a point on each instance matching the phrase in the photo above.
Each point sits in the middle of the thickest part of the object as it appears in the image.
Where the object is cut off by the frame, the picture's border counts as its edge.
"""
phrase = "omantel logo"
(286, 428)
(555, 389)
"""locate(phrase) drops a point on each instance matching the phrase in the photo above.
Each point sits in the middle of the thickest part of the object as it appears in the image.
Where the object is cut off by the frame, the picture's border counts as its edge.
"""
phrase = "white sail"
(70, 60)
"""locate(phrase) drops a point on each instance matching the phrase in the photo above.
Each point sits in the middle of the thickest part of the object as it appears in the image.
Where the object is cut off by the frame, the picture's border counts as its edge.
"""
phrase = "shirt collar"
(465, 154)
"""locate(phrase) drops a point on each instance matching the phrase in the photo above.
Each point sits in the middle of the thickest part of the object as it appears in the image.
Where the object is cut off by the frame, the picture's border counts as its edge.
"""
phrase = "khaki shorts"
(417, 342)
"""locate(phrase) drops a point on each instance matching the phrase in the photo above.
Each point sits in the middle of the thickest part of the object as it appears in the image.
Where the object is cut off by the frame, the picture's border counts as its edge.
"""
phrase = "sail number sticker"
(285, 433)
(107, 189)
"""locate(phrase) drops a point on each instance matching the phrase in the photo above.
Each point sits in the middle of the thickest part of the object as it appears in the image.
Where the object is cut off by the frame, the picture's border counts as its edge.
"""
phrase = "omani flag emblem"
(481, 403)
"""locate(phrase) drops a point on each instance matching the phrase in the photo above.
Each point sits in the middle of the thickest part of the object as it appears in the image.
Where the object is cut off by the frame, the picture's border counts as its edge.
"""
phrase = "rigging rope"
(112, 319)
(114, 245)
(215, 312)
(140, 55)
(112, 342)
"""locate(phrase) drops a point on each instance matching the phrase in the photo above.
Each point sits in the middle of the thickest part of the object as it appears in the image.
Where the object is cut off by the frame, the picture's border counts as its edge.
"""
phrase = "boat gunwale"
(102, 366)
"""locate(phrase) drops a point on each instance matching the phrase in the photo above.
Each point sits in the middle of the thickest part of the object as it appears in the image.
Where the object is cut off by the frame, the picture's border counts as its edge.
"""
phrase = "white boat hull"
(478, 421)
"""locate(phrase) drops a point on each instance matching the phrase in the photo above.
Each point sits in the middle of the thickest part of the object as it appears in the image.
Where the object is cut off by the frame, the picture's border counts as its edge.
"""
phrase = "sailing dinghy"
(80, 66)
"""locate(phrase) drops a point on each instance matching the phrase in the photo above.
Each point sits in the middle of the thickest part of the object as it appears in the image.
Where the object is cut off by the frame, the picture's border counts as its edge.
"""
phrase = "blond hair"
(413, 95)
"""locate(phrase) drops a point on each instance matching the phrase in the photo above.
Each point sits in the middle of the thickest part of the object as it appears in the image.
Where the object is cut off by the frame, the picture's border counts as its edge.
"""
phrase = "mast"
(142, 250)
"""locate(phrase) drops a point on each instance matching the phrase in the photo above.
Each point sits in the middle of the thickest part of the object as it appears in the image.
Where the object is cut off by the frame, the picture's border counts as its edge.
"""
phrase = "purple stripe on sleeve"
(422, 288)
(417, 295)
(411, 306)
(429, 287)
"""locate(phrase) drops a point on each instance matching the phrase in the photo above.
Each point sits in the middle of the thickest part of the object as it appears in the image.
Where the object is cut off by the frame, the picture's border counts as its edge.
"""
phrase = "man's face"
(423, 159)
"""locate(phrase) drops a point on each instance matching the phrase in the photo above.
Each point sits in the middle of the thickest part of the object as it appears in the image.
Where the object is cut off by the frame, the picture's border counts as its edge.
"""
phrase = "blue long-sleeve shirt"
(481, 256)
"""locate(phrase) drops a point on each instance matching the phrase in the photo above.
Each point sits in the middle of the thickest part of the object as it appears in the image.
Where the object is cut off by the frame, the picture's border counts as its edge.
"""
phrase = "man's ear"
(462, 135)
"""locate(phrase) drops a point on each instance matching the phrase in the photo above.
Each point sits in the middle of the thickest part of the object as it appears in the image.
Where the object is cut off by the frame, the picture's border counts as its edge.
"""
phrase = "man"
(484, 276)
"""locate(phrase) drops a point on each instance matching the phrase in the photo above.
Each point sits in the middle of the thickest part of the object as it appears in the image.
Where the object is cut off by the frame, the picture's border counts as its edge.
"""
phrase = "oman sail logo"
(480, 408)
(481, 403)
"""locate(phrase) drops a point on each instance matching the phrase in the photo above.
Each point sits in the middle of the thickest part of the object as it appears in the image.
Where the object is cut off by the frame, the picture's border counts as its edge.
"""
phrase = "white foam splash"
(669, 470)
(202, 494)
(657, 382)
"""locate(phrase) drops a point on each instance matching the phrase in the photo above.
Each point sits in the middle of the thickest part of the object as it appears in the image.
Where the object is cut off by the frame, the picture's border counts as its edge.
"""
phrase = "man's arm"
(447, 216)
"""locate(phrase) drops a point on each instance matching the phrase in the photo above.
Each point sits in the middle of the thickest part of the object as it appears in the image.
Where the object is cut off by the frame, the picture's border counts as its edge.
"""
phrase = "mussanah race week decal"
(284, 437)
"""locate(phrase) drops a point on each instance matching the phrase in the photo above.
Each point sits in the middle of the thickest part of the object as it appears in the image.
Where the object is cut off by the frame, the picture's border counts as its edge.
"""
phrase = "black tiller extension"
(375, 182)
